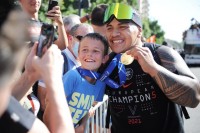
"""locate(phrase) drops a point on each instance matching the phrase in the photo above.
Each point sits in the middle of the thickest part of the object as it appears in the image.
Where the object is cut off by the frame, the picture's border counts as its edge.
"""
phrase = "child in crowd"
(81, 88)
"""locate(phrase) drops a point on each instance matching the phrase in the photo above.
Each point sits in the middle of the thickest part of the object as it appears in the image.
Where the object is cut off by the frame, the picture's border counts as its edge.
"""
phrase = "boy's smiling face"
(91, 54)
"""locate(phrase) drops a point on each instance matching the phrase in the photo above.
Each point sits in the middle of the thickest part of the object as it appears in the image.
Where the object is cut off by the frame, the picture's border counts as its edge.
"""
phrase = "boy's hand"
(91, 112)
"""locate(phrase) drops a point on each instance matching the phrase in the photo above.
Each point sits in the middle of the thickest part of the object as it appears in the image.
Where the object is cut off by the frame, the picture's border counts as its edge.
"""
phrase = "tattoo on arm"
(178, 83)
(175, 91)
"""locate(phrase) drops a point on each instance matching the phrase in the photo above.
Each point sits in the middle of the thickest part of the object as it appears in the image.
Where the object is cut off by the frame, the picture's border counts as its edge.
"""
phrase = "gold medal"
(126, 59)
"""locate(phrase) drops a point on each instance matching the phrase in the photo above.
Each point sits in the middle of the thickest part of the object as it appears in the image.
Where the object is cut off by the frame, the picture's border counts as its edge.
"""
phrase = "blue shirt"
(81, 94)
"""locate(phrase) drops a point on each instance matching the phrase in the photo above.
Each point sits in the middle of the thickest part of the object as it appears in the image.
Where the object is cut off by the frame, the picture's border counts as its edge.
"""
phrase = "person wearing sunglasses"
(77, 32)
(149, 100)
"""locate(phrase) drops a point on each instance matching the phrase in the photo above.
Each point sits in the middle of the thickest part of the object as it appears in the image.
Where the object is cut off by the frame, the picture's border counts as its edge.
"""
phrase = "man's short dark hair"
(97, 15)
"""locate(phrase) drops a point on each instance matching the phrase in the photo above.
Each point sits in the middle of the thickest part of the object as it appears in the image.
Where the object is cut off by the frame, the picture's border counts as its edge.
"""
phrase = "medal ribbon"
(121, 71)
(89, 73)
(105, 76)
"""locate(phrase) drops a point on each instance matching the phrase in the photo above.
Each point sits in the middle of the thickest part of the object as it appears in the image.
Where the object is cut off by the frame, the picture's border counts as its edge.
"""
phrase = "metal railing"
(96, 123)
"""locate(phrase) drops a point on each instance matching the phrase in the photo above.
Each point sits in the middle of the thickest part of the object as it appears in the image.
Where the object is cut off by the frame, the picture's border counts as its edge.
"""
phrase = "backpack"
(152, 47)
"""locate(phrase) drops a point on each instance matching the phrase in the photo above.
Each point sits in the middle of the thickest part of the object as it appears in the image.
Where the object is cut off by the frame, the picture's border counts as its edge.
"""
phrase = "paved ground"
(192, 125)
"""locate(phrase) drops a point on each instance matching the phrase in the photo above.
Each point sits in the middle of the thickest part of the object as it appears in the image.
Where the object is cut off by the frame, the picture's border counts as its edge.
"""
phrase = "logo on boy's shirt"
(79, 105)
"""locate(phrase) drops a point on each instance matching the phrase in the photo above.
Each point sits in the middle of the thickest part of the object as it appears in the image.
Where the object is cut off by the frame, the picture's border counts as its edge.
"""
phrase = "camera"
(46, 38)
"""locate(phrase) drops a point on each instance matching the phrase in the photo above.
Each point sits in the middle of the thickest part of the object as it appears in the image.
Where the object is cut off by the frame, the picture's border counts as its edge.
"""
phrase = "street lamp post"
(79, 8)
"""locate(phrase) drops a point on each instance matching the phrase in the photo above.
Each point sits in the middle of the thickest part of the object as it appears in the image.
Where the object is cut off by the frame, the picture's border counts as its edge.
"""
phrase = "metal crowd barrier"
(96, 123)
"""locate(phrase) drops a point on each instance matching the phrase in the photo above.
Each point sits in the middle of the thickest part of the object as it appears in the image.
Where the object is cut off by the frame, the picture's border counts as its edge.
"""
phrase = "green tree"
(146, 28)
(67, 7)
(156, 30)
(153, 28)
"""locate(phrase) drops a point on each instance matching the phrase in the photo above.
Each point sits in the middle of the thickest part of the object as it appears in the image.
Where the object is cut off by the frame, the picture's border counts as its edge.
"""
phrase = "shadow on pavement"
(193, 65)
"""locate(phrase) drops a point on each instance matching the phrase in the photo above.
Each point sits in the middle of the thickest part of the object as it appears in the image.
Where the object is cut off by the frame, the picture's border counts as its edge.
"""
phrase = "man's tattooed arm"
(176, 80)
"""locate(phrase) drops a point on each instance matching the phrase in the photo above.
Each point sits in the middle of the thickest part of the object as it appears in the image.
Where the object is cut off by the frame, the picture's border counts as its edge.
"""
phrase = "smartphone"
(46, 38)
(52, 3)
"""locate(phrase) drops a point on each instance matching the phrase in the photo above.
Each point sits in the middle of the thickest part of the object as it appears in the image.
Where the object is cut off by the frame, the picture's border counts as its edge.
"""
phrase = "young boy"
(81, 89)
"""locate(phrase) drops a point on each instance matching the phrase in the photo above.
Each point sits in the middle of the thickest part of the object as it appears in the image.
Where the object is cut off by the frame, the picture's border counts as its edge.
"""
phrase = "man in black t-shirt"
(149, 100)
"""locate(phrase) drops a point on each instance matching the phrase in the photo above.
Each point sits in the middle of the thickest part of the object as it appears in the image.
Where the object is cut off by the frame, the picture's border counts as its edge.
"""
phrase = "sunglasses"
(121, 12)
(79, 37)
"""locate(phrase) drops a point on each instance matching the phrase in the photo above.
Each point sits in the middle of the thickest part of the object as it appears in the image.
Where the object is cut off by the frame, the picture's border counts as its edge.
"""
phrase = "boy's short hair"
(99, 37)
(97, 14)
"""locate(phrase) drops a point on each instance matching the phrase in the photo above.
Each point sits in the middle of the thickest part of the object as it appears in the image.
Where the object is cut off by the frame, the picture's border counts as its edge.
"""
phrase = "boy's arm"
(81, 128)
(92, 109)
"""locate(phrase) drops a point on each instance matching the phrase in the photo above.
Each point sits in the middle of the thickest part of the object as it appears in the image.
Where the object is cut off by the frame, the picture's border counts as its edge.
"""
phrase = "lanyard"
(89, 73)
(121, 71)
(105, 76)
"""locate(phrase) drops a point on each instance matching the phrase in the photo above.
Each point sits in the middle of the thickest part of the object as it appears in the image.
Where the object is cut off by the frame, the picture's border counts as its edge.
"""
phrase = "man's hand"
(144, 57)
(50, 66)
(32, 73)
(56, 15)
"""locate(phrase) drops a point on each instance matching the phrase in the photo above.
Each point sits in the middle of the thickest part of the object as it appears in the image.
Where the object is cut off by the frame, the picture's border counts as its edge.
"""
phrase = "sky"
(174, 16)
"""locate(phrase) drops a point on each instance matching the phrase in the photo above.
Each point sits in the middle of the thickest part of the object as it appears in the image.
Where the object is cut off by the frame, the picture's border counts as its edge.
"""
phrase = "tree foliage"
(68, 7)
(153, 28)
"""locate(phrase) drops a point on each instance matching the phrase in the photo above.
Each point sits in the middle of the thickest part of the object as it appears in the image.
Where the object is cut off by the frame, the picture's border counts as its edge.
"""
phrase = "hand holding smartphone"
(46, 38)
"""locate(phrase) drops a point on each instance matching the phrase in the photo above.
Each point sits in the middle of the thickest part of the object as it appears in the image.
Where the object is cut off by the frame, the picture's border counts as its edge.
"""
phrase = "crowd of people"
(56, 93)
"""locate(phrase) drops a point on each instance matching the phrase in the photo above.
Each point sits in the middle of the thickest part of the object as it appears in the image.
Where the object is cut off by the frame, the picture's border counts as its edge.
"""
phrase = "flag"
(151, 39)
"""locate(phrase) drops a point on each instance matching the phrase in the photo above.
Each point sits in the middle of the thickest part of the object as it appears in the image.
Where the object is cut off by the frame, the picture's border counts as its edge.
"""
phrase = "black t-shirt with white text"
(139, 106)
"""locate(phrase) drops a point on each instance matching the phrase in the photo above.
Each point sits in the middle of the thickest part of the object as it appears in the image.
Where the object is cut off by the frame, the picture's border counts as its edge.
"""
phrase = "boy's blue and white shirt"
(81, 94)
